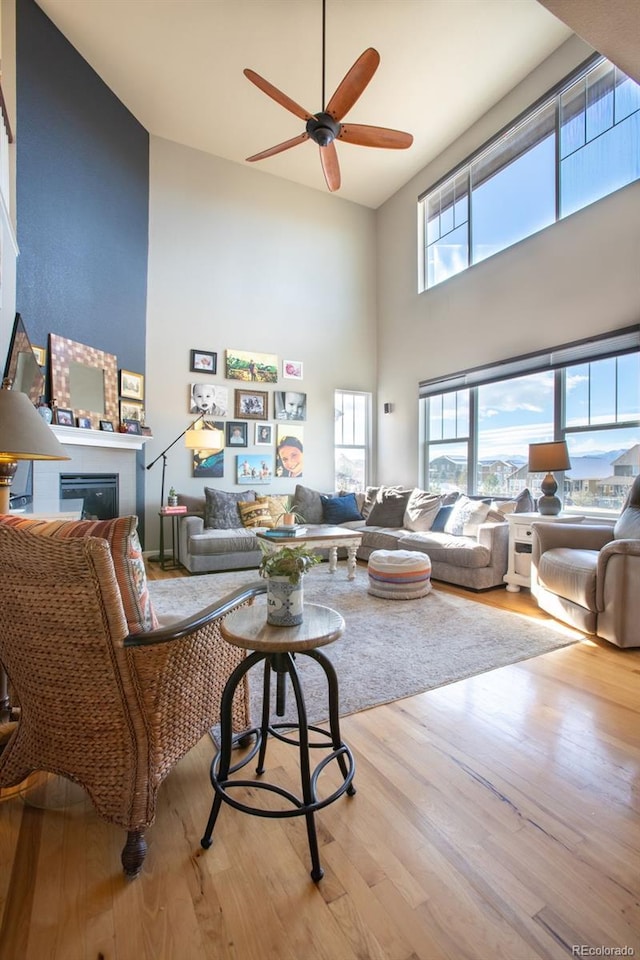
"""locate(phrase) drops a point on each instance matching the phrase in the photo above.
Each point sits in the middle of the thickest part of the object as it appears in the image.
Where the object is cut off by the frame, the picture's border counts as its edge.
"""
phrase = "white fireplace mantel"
(73, 436)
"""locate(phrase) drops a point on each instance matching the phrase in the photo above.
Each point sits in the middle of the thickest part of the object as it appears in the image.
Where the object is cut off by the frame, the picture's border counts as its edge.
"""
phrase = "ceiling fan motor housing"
(322, 129)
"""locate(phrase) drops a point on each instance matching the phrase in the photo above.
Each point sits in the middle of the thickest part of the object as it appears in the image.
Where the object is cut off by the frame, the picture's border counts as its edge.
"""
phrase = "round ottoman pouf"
(399, 574)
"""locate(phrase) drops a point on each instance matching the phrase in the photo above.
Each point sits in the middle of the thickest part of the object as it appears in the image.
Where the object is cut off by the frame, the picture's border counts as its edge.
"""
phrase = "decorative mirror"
(83, 379)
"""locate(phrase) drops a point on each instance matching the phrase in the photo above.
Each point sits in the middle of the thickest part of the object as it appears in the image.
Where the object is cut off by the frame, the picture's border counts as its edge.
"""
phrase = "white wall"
(239, 259)
(577, 278)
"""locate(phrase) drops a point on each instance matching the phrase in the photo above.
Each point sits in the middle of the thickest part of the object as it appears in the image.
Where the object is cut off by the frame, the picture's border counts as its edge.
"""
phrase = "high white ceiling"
(177, 65)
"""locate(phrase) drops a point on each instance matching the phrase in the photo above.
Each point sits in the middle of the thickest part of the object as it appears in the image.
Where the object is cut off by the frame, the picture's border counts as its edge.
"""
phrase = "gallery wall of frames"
(254, 406)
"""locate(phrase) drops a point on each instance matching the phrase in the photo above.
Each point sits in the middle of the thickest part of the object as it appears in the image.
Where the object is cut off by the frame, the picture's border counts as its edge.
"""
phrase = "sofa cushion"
(466, 516)
(341, 509)
(214, 543)
(444, 548)
(308, 504)
(221, 508)
(571, 574)
(421, 510)
(121, 534)
(628, 525)
(255, 513)
(389, 507)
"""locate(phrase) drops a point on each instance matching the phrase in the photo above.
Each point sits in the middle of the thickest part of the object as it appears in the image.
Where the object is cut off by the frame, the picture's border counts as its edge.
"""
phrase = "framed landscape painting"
(251, 367)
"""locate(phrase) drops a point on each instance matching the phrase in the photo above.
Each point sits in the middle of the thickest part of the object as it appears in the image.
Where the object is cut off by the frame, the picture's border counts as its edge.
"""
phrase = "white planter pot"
(284, 602)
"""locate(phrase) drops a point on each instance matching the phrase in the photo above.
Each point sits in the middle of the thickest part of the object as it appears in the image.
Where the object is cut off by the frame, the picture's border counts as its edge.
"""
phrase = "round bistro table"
(278, 647)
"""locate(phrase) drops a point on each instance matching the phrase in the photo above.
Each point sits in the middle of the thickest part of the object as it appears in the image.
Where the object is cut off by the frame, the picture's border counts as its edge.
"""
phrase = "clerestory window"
(579, 144)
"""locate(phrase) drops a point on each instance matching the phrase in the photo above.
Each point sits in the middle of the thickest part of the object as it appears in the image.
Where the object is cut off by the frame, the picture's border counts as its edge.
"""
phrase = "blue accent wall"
(82, 200)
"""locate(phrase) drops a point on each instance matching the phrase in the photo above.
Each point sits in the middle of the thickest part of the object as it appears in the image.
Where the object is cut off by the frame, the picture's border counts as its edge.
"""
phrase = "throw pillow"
(255, 513)
(308, 504)
(466, 516)
(221, 508)
(389, 507)
(421, 511)
(121, 534)
(525, 502)
(370, 495)
(340, 509)
(441, 519)
(277, 504)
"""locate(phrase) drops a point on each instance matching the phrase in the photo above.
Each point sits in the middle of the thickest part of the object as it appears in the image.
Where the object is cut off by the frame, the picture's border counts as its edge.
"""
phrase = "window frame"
(366, 447)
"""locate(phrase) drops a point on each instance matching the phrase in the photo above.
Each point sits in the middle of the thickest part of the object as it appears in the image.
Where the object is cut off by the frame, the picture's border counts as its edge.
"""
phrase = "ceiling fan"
(325, 127)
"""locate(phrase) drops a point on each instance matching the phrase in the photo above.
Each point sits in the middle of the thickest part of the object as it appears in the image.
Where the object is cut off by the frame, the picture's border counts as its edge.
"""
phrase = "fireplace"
(93, 495)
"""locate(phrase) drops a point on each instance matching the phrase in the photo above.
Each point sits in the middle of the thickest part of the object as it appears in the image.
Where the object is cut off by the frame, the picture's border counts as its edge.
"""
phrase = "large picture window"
(476, 439)
(580, 144)
(352, 440)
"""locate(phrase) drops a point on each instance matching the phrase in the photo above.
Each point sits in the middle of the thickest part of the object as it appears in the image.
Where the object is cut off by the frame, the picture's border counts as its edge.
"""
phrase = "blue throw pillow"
(442, 516)
(340, 509)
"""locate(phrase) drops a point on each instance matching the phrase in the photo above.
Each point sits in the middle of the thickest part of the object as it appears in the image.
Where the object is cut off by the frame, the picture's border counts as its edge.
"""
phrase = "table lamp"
(24, 435)
(548, 457)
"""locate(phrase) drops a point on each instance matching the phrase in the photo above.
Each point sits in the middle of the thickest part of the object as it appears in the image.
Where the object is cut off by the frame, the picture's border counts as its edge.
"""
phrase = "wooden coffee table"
(327, 537)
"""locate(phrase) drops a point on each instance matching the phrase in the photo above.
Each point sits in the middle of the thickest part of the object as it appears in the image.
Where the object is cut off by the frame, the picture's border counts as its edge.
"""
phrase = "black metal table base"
(283, 664)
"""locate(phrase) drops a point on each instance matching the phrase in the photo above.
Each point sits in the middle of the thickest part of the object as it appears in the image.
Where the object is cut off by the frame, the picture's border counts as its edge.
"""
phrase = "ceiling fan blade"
(330, 166)
(279, 148)
(353, 84)
(277, 95)
(366, 136)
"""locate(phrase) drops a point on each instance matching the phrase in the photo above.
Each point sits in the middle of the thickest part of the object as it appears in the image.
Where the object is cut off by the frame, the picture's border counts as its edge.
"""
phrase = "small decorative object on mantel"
(44, 410)
(283, 568)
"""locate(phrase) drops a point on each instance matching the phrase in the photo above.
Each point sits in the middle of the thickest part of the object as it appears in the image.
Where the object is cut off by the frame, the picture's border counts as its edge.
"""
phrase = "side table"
(520, 540)
(173, 561)
(277, 647)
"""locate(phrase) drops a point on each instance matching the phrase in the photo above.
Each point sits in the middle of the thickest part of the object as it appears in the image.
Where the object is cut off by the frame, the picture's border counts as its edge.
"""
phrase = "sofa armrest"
(579, 536)
(495, 536)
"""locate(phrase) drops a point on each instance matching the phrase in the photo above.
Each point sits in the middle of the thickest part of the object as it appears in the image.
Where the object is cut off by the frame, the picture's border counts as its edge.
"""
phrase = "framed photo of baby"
(209, 398)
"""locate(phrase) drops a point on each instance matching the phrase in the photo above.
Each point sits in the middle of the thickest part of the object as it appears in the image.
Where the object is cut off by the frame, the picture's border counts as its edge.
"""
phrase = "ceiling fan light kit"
(325, 127)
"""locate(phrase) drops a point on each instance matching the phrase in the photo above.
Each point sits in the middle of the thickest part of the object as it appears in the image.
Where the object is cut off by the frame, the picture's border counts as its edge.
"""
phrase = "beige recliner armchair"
(588, 575)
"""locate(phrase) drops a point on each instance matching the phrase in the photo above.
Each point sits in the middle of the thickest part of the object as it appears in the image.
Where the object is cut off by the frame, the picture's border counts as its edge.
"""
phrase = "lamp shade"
(544, 457)
(24, 435)
(204, 439)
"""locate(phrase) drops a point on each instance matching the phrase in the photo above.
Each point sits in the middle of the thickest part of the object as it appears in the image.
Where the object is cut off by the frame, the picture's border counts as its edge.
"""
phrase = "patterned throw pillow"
(466, 517)
(277, 503)
(121, 534)
(221, 509)
(255, 513)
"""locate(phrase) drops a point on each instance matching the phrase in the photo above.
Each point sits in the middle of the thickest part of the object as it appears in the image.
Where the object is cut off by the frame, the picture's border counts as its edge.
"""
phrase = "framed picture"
(208, 460)
(131, 410)
(147, 432)
(289, 405)
(41, 355)
(252, 468)
(132, 426)
(264, 435)
(291, 370)
(237, 433)
(84, 379)
(251, 367)
(84, 423)
(107, 425)
(131, 385)
(64, 418)
(202, 361)
(289, 450)
(252, 404)
(209, 398)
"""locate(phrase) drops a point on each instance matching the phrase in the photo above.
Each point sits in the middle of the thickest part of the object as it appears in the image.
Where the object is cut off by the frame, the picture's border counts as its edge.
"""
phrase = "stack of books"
(278, 533)
(170, 511)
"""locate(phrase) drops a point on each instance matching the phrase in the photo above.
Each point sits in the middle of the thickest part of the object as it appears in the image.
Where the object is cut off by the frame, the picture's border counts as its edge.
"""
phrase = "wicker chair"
(110, 711)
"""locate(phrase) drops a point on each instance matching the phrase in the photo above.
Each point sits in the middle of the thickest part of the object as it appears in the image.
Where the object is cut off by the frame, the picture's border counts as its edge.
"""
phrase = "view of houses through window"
(352, 440)
(477, 440)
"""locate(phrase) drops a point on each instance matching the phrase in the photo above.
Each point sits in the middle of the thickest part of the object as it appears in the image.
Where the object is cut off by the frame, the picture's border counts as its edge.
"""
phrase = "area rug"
(390, 648)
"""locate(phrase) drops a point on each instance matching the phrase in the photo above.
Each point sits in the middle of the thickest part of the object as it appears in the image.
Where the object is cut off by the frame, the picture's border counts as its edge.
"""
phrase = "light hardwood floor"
(495, 818)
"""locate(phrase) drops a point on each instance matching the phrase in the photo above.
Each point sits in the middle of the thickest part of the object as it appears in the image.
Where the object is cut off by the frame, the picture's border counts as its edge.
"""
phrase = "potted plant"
(283, 568)
(289, 516)
(172, 498)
